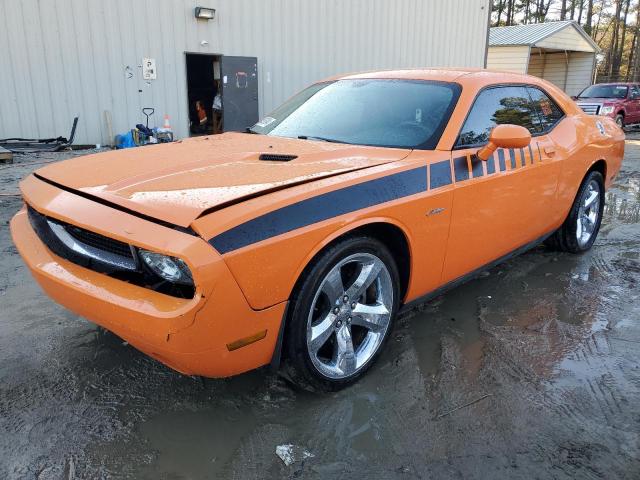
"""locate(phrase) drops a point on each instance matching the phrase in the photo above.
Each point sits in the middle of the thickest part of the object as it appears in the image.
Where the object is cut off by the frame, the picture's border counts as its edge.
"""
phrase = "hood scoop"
(276, 157)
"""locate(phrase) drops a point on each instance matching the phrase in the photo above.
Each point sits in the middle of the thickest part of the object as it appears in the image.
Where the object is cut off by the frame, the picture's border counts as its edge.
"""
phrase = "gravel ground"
(531, 371)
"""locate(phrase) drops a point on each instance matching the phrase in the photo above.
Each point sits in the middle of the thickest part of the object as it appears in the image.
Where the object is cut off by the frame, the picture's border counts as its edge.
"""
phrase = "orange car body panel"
(179, 181)
(188, 335)
(220, 189)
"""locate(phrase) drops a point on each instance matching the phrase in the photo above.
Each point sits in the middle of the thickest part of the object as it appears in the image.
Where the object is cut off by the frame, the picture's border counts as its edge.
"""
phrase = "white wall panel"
(70, 57)
(555, 69)
(511, 59)
(580, 73)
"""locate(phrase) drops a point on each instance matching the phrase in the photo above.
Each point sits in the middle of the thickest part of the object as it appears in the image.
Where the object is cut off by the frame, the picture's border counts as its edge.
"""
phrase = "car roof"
(465, 76)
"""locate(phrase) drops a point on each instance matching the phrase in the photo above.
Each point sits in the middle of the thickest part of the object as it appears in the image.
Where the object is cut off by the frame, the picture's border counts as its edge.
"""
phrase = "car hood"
(178, 182)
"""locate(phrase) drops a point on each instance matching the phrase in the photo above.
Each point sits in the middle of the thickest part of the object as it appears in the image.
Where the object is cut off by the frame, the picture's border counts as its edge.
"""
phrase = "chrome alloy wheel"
(350, 315)
(588, 213)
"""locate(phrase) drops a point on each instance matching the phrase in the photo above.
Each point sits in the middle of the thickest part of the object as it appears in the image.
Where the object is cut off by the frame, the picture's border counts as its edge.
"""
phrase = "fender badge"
(435, 211)
(601, 128)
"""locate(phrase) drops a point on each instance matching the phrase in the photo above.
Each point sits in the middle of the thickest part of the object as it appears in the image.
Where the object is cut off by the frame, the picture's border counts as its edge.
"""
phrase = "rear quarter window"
(523, 105)
(547, 111)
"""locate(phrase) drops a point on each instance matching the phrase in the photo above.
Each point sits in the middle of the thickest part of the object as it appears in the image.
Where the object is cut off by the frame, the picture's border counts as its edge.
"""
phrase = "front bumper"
(189, 335)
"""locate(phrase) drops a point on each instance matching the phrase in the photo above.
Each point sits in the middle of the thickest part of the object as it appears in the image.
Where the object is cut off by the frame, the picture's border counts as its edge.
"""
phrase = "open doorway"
(234, 79)
(203, 84)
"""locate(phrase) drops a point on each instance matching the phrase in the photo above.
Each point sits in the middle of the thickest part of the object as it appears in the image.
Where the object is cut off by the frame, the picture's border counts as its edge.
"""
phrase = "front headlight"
(606, 110)
(169, 268)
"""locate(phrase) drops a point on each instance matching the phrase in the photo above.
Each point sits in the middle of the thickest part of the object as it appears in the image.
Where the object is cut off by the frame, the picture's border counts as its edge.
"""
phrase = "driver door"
(505, 202)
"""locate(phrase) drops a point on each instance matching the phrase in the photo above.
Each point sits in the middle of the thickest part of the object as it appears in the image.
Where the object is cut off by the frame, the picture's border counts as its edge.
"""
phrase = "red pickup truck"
(620, 101)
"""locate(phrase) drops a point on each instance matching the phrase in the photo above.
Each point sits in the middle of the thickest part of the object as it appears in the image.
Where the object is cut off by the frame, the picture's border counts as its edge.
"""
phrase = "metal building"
(560, 52)
(106, 60)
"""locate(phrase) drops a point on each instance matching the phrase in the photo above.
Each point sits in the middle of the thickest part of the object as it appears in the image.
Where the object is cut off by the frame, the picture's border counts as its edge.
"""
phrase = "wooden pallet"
(6, 156)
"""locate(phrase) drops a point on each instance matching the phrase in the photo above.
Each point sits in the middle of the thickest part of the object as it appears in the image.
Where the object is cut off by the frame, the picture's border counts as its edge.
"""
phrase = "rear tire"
(342, 313)
(580, 229)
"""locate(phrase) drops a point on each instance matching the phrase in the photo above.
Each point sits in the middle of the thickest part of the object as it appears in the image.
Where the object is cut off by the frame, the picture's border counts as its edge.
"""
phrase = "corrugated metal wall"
(63, 58)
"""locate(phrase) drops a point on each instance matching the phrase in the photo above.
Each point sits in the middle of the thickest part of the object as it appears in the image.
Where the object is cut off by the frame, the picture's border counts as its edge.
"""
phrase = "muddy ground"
(531, 371)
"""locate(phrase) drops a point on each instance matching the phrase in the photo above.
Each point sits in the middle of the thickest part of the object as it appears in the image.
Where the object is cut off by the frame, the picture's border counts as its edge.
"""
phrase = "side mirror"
(505, 136)
(574, 97)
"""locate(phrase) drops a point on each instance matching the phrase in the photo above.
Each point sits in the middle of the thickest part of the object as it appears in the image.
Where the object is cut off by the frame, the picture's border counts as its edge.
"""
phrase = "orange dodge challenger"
(302, 238)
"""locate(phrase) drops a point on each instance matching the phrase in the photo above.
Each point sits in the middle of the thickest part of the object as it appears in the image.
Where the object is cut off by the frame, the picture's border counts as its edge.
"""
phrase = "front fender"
(346, 230)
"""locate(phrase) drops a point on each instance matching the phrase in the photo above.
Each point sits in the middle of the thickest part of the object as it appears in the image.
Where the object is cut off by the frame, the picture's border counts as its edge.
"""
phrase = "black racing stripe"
(503, 166)
(461, 169)
(322, 207)
(523, 160)
(530, 154)
(476, 166)
(491, 164)
(512, 155)
(440, 174)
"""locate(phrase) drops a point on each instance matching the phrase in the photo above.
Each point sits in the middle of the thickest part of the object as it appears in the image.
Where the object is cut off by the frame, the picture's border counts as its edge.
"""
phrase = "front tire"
(620, 120)
(342, 313)
(580, 229)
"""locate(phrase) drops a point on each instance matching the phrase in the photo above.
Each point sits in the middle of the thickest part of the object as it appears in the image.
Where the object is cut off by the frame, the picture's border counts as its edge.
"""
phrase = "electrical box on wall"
(149, 69)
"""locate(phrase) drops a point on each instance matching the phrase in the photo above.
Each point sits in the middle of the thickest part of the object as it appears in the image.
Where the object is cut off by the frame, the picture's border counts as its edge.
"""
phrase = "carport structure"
(560, 52)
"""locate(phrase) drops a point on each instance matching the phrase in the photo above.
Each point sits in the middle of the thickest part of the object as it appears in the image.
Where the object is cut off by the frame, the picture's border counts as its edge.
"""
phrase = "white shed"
(560, 52)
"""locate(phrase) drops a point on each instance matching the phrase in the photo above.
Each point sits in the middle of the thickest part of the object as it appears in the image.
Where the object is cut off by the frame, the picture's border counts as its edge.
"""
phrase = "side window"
(548, 113)
(635, 93)
(495, 106)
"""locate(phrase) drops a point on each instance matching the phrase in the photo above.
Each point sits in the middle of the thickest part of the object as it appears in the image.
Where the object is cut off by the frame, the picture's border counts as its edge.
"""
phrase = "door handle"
(549, 150)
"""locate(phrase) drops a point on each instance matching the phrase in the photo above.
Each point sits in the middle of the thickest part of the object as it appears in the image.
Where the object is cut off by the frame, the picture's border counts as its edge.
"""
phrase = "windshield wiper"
(323, 139)
(252, 131)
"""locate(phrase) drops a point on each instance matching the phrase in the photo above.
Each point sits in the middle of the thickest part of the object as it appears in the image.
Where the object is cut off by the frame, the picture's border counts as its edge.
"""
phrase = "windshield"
(384, 113)
(604, 91)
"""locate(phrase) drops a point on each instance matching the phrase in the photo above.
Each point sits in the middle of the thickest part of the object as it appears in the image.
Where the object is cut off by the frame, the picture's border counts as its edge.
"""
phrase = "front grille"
(100, 254)
(98, 241)
(590, 108)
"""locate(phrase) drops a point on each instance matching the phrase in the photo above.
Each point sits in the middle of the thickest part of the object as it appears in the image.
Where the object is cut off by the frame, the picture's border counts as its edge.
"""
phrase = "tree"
(589, 19)
(620, 47)
(498, 7)
(634, 53)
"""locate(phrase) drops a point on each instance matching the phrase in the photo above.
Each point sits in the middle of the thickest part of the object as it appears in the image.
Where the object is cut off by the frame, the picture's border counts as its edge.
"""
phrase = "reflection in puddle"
(625, 209)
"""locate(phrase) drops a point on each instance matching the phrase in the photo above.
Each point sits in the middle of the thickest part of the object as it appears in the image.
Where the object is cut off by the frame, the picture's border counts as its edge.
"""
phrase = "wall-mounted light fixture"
(205, 13)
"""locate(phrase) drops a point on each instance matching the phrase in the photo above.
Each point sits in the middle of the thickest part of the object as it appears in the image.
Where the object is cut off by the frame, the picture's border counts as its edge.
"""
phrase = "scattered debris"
(23, 145)
(143, 135)
(463, 406)
(71, 471)
(290, 454)
(6, 156)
